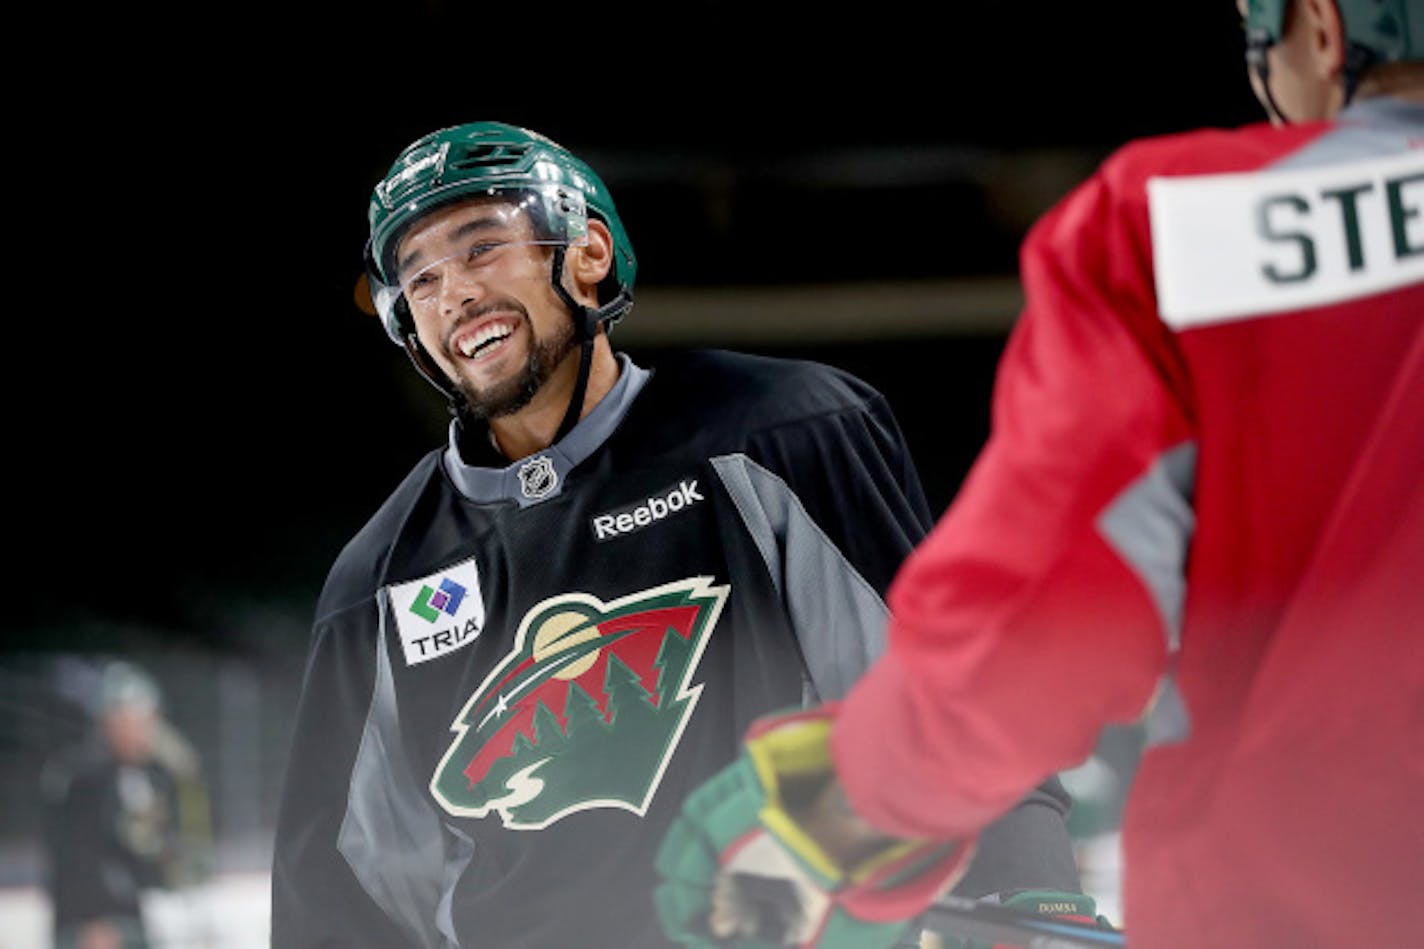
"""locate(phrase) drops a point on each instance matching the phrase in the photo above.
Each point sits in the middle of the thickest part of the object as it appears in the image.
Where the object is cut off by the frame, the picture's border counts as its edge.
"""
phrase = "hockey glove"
(758, 858)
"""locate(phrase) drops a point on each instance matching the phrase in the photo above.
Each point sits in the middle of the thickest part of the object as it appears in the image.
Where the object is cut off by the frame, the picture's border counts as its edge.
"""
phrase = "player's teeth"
(470, 345)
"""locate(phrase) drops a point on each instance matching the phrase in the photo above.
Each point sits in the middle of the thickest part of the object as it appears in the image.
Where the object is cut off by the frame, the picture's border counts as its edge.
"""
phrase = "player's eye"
(484, 251)
(422, 286)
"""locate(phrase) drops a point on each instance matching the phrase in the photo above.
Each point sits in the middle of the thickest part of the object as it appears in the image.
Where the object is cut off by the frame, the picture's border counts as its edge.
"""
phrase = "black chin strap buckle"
(1258, 43)
(1358, 60)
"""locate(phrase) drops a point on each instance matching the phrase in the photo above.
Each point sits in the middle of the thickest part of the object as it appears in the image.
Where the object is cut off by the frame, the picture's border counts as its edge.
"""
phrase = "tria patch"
(587, 709)
(440, 613)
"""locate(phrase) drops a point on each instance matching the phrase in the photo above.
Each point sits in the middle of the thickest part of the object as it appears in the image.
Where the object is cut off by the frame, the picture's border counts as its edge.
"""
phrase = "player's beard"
(512, 394)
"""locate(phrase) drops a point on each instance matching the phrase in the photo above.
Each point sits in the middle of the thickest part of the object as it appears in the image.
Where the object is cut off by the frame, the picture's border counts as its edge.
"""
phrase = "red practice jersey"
(1202, 504)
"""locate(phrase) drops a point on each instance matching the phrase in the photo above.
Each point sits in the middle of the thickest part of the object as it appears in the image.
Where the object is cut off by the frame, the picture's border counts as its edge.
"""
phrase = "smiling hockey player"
(565, 618)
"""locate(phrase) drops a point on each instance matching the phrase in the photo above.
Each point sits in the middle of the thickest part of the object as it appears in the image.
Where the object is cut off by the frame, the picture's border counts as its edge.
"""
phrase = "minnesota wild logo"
(587, 709)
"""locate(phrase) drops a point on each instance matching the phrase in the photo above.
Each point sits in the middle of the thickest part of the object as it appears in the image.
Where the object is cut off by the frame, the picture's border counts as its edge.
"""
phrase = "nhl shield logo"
(537, 477)
(585, 711)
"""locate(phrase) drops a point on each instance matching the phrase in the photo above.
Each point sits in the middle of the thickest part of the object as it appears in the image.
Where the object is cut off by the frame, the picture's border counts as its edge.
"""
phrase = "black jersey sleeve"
(832, 499)
(316, 898)
(851, 471)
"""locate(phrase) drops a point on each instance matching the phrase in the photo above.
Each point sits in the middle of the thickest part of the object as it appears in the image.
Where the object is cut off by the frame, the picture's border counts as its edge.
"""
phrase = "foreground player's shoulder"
(1110, 208)
(742, 392)
(1206, 151)
(360, 566)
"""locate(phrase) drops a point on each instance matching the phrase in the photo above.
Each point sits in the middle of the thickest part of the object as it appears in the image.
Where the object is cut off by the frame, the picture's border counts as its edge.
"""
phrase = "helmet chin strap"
(1358, 60)
(587, 321)
(585, 331)
(432, 373)
(1258, 43)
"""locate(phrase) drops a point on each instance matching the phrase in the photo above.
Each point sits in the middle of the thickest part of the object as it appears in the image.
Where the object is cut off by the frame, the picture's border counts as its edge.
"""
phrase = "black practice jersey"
(519, 671)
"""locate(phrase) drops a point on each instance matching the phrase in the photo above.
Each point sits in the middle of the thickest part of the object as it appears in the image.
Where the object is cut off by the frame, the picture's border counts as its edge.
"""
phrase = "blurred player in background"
(1201, 503)
(566, 618)
(125, 813)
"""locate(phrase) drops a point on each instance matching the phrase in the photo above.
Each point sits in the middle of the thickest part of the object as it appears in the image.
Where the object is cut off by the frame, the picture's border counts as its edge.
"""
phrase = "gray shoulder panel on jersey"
(1167, 720)
(1150, 526)
(838, 616)
(486, 485)
(1369, 128)
(390, 835)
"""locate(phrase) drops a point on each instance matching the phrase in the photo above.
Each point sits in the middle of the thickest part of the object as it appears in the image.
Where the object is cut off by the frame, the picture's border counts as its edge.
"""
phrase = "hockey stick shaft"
(988, 922)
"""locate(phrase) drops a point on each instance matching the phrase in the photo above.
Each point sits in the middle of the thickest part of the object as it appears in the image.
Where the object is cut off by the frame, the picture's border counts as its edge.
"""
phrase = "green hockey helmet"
(124, 685)
(1388, 28)
(1376, 31)
(558, 189)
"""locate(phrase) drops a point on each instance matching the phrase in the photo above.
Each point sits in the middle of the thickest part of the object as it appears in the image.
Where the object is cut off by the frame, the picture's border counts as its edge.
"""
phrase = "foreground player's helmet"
(556, 189)
(1376, 31)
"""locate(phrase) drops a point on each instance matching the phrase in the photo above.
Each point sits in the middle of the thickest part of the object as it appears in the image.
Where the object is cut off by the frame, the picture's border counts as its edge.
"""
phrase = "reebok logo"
(635, 517)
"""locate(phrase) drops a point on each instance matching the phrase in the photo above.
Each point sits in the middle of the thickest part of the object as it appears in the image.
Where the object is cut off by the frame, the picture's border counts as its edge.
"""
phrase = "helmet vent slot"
(488, 156)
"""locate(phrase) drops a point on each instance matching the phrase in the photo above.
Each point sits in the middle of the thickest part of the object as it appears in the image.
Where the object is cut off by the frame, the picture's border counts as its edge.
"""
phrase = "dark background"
(198, 413)
(201, 398)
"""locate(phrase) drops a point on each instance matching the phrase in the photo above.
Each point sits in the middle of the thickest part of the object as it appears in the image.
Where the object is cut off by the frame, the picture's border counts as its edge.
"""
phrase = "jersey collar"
(543, 474)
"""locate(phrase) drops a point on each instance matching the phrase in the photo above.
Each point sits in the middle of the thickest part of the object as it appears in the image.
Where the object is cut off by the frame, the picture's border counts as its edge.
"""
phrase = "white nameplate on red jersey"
(439, 614)
(1233, 246)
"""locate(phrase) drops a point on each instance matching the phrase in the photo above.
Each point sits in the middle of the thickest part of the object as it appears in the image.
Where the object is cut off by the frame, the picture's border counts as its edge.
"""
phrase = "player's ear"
(1326, 36)
(592, 260)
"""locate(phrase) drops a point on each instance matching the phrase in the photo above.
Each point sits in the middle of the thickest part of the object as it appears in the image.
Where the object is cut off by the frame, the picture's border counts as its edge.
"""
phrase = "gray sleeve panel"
(838, 616)
(1168, 720)
(461, 851)
(390, 836)
(1150, 525)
